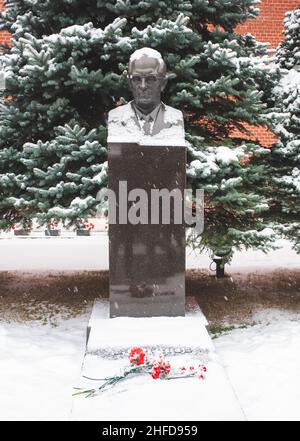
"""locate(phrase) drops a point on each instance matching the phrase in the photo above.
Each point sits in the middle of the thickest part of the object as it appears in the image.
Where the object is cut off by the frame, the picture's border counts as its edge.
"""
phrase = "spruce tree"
(67, 68)
(285, 159)
(288, 51)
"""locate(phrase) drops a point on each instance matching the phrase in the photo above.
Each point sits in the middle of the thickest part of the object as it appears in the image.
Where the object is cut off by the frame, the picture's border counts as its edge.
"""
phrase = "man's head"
(147, 78)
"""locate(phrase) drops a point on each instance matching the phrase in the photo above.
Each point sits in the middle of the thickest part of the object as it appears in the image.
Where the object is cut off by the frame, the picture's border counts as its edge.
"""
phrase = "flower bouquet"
(142, 363)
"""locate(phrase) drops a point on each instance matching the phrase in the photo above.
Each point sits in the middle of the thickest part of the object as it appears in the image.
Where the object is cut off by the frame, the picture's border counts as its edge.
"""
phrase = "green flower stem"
(112, 381)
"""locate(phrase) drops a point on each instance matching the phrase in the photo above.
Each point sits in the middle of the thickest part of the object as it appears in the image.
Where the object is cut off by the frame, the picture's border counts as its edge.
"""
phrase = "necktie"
(147, 125)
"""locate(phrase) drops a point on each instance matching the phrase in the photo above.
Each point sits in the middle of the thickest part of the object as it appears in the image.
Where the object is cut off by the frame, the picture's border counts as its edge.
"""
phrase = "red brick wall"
(267, 27)
(258, 134)
(4, 36)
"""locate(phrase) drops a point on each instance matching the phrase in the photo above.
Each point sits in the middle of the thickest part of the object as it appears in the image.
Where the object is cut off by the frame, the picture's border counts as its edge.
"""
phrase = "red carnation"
(155, 374)
(166, 367)
(137, 356)
(156, 370)
(203, 367)
(160, 369)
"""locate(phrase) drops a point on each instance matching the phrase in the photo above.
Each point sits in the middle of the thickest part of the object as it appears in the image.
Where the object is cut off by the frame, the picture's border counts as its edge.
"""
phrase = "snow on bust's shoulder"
(145, 51)
(172, 115)
(113, 112)
(125, 112)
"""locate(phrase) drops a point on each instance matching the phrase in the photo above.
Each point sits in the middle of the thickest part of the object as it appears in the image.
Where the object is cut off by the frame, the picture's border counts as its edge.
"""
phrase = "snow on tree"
(288, 51)
(285, 159)
(67, 68)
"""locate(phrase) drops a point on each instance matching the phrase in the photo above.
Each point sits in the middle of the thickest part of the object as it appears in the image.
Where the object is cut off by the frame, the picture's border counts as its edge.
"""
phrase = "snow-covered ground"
(263, 365)
(40, 365)
(91, 253)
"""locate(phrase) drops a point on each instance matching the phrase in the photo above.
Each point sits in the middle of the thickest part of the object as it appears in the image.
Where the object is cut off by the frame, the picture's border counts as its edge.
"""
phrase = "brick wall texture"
(267, 27)
(4, 36)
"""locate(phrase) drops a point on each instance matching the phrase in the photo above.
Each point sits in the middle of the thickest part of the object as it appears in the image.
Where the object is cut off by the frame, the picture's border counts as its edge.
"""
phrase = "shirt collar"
(150, 117)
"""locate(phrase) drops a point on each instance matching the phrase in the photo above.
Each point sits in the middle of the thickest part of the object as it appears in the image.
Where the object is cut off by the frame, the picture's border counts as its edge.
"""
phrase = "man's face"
(146, 83)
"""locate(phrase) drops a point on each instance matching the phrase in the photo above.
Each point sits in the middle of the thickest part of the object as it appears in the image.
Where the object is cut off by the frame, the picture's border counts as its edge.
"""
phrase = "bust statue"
(146, 119)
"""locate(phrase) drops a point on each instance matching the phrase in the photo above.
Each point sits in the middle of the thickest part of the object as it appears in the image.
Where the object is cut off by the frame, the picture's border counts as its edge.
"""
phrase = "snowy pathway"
(91, 253)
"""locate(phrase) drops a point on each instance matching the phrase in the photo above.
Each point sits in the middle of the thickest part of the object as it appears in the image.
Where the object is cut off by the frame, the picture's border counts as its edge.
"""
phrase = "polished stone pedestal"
(147, 261)
(184, 341)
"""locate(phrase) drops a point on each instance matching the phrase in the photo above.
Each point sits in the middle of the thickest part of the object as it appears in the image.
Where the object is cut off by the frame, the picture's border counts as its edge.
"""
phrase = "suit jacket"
(168, 128)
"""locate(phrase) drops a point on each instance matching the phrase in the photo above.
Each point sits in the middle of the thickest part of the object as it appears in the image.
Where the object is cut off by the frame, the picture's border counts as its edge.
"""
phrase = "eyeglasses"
(149, 79)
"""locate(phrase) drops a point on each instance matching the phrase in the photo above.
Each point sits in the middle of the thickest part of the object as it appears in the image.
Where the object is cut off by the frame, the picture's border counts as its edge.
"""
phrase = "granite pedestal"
(146, 260)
